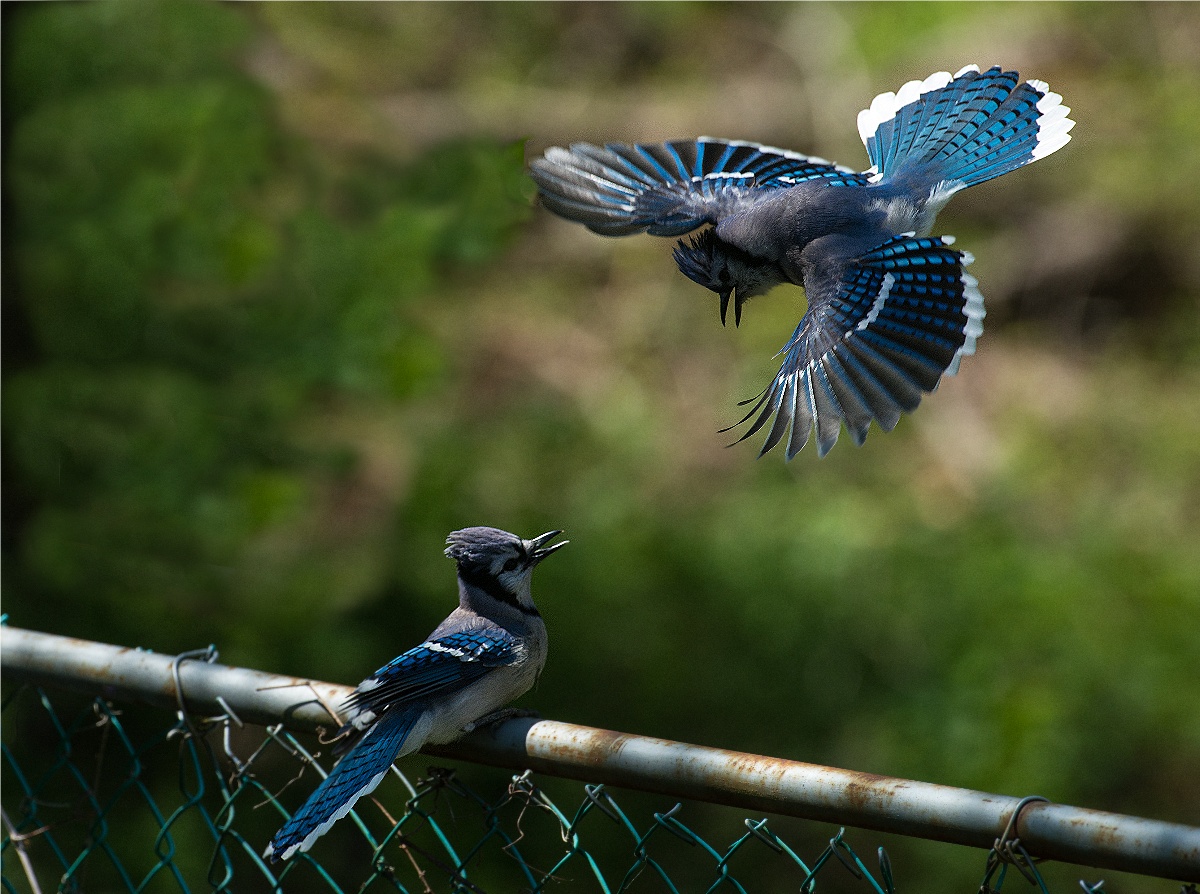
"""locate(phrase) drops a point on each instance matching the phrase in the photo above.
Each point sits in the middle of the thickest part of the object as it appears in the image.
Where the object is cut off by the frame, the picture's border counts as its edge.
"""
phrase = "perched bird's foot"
(499, 717)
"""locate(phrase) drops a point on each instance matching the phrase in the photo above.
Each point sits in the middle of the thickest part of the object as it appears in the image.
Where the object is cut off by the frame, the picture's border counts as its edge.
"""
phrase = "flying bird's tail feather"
(962, 130)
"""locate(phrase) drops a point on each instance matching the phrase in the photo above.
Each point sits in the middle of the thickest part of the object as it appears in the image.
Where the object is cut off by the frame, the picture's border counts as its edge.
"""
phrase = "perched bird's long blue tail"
(963, 129)
(357, 774)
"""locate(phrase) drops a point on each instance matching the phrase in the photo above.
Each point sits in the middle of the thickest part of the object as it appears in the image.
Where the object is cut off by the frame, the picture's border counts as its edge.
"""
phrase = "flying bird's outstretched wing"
(872, 341)
(668, 189)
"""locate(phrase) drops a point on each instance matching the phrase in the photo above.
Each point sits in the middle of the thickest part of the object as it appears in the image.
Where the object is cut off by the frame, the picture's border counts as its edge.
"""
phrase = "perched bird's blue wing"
(384, 708)
(872, 341)
(667, 189)
(486, 653)
(439, 665)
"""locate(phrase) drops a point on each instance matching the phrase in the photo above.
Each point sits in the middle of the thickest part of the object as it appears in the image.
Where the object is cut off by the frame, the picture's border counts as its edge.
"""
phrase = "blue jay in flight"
(488, 652)
(890, 309)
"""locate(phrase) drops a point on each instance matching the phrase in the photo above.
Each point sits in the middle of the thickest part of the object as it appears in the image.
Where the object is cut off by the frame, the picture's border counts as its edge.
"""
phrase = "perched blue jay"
(488, 652)
(890, 309)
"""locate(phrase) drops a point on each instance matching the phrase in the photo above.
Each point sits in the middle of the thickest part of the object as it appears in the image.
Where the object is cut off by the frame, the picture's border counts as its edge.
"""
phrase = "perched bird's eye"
(511, 564)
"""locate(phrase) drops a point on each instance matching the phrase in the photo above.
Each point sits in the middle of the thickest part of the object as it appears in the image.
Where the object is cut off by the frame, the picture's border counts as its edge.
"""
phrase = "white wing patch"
(885, 289)
(449, 650)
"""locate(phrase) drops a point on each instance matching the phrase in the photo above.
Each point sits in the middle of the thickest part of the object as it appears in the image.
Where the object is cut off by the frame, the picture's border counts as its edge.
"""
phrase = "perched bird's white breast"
(445, 720)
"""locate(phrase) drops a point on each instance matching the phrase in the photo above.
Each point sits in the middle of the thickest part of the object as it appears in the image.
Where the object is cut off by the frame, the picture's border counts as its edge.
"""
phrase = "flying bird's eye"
(511, 564)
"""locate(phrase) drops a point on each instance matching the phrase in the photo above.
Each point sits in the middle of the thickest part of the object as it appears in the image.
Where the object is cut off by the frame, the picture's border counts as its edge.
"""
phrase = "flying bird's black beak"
(538, 549)
(737, 311)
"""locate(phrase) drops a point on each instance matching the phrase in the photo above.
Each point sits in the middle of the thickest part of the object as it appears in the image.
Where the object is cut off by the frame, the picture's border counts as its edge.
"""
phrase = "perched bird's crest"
(496, 552)
(477, 547)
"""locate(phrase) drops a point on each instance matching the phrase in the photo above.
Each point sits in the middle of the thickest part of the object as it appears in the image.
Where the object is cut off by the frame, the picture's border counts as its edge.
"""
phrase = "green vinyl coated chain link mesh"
(120, 804)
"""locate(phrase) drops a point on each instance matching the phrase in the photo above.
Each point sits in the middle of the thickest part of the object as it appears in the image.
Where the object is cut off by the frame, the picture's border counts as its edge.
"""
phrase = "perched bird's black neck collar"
(483, 580)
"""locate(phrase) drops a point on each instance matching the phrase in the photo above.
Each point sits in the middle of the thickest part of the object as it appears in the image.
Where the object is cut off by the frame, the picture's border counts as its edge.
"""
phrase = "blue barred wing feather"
(965, 129)
(668, 189)
(871, 344)
(439, 665)
(382, 712)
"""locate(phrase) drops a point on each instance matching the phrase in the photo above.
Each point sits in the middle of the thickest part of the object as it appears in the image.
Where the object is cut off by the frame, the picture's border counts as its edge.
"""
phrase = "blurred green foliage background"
(279, 315)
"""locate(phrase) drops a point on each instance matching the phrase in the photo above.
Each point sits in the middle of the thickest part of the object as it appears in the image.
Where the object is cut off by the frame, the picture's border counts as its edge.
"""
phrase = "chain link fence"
(113, 795)
(71, 821)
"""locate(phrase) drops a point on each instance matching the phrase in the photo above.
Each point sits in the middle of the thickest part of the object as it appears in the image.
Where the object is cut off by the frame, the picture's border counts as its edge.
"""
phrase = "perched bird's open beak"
(537, 546)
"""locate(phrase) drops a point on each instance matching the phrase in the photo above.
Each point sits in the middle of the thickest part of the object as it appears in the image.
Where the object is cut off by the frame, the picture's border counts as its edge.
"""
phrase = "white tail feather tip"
(885, 106)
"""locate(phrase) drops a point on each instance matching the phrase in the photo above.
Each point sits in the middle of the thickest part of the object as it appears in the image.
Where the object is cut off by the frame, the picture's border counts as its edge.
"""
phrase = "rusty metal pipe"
(846, 797)
(122, 672)
(676, 769)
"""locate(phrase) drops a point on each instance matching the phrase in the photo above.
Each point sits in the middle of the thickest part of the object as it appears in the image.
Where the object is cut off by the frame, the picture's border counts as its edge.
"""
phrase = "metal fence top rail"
(774, 785)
